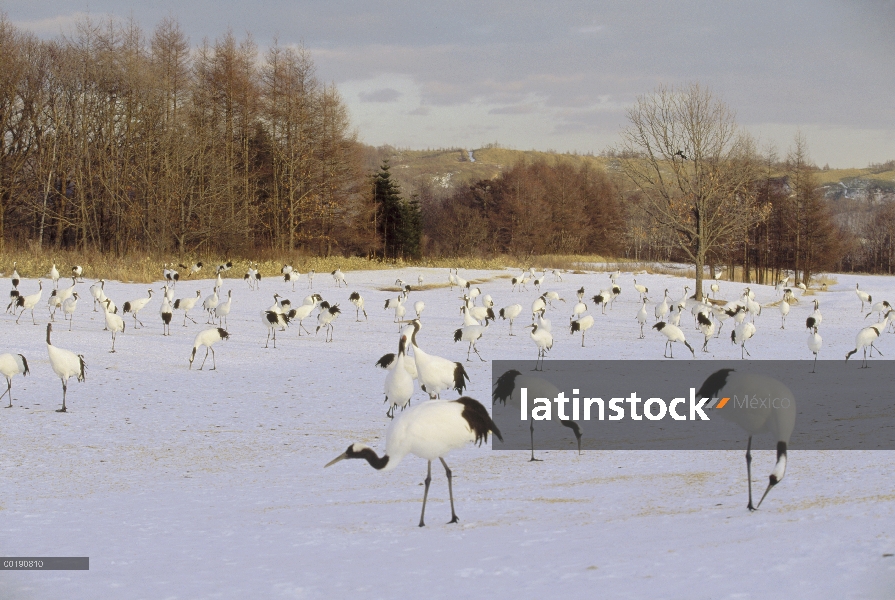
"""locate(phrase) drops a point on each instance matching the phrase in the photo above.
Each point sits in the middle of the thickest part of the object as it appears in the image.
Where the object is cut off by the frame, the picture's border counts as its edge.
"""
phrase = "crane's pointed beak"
(343, 456)
(770, 485)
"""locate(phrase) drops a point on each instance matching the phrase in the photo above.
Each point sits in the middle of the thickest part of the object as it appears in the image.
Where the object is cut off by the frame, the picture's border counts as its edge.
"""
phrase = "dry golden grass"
(142, 268)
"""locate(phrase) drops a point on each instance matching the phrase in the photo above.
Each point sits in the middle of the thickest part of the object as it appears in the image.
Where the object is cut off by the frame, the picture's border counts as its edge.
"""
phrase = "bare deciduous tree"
(694, 168)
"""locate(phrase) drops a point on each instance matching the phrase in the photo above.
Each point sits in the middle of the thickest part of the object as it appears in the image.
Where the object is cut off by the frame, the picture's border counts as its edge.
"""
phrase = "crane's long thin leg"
(476, 350)
(815, 363)
(749, 471)
(113, 343)
(214, 364)
(64, 388)
(9, 390)
(447, 470)
(426, 494)
(204, 359)
(531, 430)
(266, 344)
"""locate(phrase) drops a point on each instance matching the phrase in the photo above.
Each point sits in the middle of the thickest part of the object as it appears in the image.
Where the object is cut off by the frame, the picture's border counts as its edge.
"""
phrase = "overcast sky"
(559, 75)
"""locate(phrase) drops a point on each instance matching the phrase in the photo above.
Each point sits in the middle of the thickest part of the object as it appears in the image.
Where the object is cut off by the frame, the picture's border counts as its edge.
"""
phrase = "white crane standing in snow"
(135, 306)
(543, 339)
(274, 320)
(114, 323)
(429, 430)
(339, 277)
(29, 302)
(662, 308)
(864, 340)
(864, 297)
(707, 327)
(209, 304)
(642, 316)
(435, 373)
(66, 364)
(398, 386)
(672, 334)
(509, 313)
(98, 293)
(223, 309)
(778, 421)
(582, 324)
(358, 301)
(208, 338)
(186, 304)
(10, 366)
(68, 309)
(507, 390)
(166, 313)
(641, 289)
(814, 344)
(325, 318)
(471, 332)
(784, 310)
(741, 334)
(54, 275)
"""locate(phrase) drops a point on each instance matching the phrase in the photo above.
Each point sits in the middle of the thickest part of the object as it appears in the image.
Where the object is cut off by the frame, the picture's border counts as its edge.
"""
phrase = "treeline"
(530, 209)
(113, 141)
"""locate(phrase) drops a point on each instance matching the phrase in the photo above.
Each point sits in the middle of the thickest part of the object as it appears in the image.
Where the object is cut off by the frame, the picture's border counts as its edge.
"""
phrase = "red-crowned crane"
(223, 309)
(429, 430)
(339, 277)
(398, 386)
(582, 324)
(209, 304)
(66, 364)
(864, 297)
(68, 309)
(10, 366)
(325, 318)
(186, 304)
(784, 310)
(135, 306)
(543, 340)
(166, 313)
(274, 320)
(114, 323)
(29, 302)
(507, 390)
(707, 327)
(864, 340)
(642, 316)
(435, 373)
(777, 420)
(208, 338)
(509, 313)
(358, 301)
(814, 344)
(672, 334)
(741, 334)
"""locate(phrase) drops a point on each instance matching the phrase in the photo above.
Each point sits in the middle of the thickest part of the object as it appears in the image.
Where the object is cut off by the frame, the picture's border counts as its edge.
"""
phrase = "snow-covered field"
(210, 484)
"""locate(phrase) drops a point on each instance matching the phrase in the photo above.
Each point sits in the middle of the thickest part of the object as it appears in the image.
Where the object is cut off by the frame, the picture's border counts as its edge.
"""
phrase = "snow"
(210, 484)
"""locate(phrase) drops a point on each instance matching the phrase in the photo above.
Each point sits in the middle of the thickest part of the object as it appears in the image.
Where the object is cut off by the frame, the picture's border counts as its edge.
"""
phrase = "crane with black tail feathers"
(672, 334)
(779, 421)
(435, 373)
(429, 430)
(10, 366)
(66, 364)
(508, 389)
(208, 338)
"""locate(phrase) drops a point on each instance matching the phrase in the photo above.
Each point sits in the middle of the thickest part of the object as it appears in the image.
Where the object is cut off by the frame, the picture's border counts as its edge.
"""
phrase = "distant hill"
(450, 168)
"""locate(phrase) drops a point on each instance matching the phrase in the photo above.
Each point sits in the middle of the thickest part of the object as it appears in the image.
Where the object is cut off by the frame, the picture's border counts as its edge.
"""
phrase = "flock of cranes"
(434, 427)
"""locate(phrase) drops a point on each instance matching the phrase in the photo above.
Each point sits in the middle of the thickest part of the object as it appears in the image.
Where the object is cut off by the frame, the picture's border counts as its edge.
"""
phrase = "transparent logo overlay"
(693, 405)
